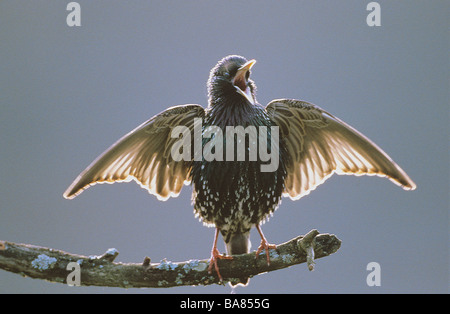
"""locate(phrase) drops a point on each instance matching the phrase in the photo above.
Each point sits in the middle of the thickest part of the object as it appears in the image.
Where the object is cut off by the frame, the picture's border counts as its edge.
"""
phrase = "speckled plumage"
(235, 195)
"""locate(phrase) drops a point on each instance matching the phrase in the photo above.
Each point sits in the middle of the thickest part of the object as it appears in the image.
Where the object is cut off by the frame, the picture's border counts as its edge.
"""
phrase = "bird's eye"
(247, 75)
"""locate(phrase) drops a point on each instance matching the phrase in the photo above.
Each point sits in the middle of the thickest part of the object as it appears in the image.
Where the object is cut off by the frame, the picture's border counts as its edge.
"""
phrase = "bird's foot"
(215, 255)
(265, 246)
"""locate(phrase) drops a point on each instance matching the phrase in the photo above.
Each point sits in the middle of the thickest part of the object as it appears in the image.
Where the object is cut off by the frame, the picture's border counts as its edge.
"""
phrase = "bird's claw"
(265, 246)
(215, 255)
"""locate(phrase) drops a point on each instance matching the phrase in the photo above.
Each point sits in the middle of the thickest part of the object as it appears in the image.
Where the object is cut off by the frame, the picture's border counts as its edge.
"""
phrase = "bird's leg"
(264, 245)
(215, 255)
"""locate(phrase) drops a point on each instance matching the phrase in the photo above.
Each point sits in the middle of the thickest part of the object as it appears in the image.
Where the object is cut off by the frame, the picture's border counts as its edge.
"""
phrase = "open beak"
(246, 67)
(240, 81)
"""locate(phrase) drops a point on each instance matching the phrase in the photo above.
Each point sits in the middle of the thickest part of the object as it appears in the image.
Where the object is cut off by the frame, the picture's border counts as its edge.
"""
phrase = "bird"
(307, 145)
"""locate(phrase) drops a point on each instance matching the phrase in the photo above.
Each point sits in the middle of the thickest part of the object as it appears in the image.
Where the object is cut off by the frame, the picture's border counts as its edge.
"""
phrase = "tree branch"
(53, 265)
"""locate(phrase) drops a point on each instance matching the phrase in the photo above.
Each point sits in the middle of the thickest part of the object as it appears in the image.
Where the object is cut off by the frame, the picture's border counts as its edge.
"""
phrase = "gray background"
(67, 94)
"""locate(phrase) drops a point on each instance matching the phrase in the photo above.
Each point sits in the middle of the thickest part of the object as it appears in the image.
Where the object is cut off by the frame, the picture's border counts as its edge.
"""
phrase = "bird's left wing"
(144, 155)
(319, 144)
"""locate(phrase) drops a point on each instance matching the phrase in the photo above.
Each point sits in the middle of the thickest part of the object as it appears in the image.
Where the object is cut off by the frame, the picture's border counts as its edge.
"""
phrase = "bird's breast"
(230, 187)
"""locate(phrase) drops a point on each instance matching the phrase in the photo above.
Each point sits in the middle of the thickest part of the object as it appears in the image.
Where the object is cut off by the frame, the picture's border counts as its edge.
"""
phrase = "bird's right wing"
(319, 144)
(144, 155)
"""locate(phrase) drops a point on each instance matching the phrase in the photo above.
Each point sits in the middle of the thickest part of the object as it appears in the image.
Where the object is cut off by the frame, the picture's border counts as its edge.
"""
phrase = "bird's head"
(229, 81)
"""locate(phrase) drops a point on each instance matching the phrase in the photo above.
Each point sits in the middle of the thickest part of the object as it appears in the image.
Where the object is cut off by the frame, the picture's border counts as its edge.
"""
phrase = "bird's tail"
(238, 243)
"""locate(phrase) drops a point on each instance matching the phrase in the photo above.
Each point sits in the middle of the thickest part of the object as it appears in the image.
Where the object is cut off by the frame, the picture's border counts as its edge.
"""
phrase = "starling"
(225, 148)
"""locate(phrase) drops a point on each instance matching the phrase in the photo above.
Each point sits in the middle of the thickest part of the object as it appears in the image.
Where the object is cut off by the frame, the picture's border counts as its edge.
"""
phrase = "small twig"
(51, 265)
(307, 244)
(109, 255)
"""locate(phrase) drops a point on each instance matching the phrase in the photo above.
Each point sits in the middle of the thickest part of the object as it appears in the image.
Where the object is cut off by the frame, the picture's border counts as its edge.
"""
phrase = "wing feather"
(319, 144)
(143, 155)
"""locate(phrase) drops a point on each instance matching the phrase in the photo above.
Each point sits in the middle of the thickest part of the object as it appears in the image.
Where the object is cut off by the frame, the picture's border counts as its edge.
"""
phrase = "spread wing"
(144, 155)
(319, 144)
